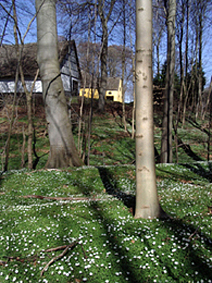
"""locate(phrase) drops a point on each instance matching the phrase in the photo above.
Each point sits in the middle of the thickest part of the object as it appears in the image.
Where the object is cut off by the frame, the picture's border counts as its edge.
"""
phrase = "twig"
(56, 249)
(59, 256)
(85, 256)
(12, 258)
(193, 233)
(2, 262)
(60, 198)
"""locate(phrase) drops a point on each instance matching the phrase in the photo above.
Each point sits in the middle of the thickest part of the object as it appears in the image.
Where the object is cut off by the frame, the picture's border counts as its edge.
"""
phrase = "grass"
(111, 245)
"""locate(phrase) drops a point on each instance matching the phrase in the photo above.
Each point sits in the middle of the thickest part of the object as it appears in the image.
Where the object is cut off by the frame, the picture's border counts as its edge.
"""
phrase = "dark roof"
(8, 58)
(91, 81)
(113, 83)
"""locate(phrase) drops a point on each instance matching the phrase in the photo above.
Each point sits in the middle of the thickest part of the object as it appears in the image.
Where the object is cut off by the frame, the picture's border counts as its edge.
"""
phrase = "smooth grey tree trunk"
(63, 152)
(147, 204)
(166, 143)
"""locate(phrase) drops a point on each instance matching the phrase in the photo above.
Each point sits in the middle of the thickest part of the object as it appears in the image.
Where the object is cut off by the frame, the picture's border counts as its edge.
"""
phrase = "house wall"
(66, 83)
(88, 93)
(70, 76)
(8, 86)
(114, 95)
(70, 73)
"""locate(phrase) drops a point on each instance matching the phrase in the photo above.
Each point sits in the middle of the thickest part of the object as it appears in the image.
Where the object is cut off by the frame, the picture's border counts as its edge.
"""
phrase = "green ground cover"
(110, 144)
(92, 208)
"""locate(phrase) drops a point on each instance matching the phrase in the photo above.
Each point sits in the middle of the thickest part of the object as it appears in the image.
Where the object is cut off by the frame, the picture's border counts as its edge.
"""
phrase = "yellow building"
(113, 92)
(88, 92)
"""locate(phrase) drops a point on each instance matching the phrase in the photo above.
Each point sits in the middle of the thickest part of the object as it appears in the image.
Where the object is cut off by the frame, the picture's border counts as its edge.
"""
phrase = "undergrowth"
(84, 230)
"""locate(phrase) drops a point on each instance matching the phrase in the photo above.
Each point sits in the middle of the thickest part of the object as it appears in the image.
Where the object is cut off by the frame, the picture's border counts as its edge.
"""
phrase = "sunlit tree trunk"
(63, 152)
(147, 204)
(166, 143)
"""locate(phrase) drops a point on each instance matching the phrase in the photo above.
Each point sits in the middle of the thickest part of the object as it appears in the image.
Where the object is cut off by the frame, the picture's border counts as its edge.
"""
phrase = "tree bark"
(18, 54)
(123, 67)
(186, 90)
(103, 59)
(147, 204)
(166, 143)
(104, 50)
(182, 81)
(63, 152)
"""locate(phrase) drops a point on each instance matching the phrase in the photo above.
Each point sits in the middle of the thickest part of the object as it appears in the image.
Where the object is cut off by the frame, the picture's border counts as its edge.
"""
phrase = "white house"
(69, 66)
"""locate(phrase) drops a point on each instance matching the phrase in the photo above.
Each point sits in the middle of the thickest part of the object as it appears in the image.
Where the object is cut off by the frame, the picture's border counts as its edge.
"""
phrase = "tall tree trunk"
(200, 85)
(29, 115)
(104, 50)
(208, 101)
(123, 68)
(18, 55)
(63, 152)
(80, 140)
(133, 68)
(133, 107)
(158, 53)
(166, 143)
(103, 60)
(209, 128)
(147, 204)
(182, 84)
(186, 91)
(195, 92)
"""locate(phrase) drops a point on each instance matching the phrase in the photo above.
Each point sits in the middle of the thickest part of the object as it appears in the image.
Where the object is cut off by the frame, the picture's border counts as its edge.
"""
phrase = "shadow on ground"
(113, 189)
(198, 169)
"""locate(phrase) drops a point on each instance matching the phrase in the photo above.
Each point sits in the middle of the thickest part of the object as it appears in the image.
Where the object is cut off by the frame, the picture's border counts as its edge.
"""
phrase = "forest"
(107, 49)
(91, 189)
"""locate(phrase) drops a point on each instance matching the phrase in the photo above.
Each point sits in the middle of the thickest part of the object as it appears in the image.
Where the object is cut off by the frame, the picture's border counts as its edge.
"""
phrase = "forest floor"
(77, 225)
(110, 144)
